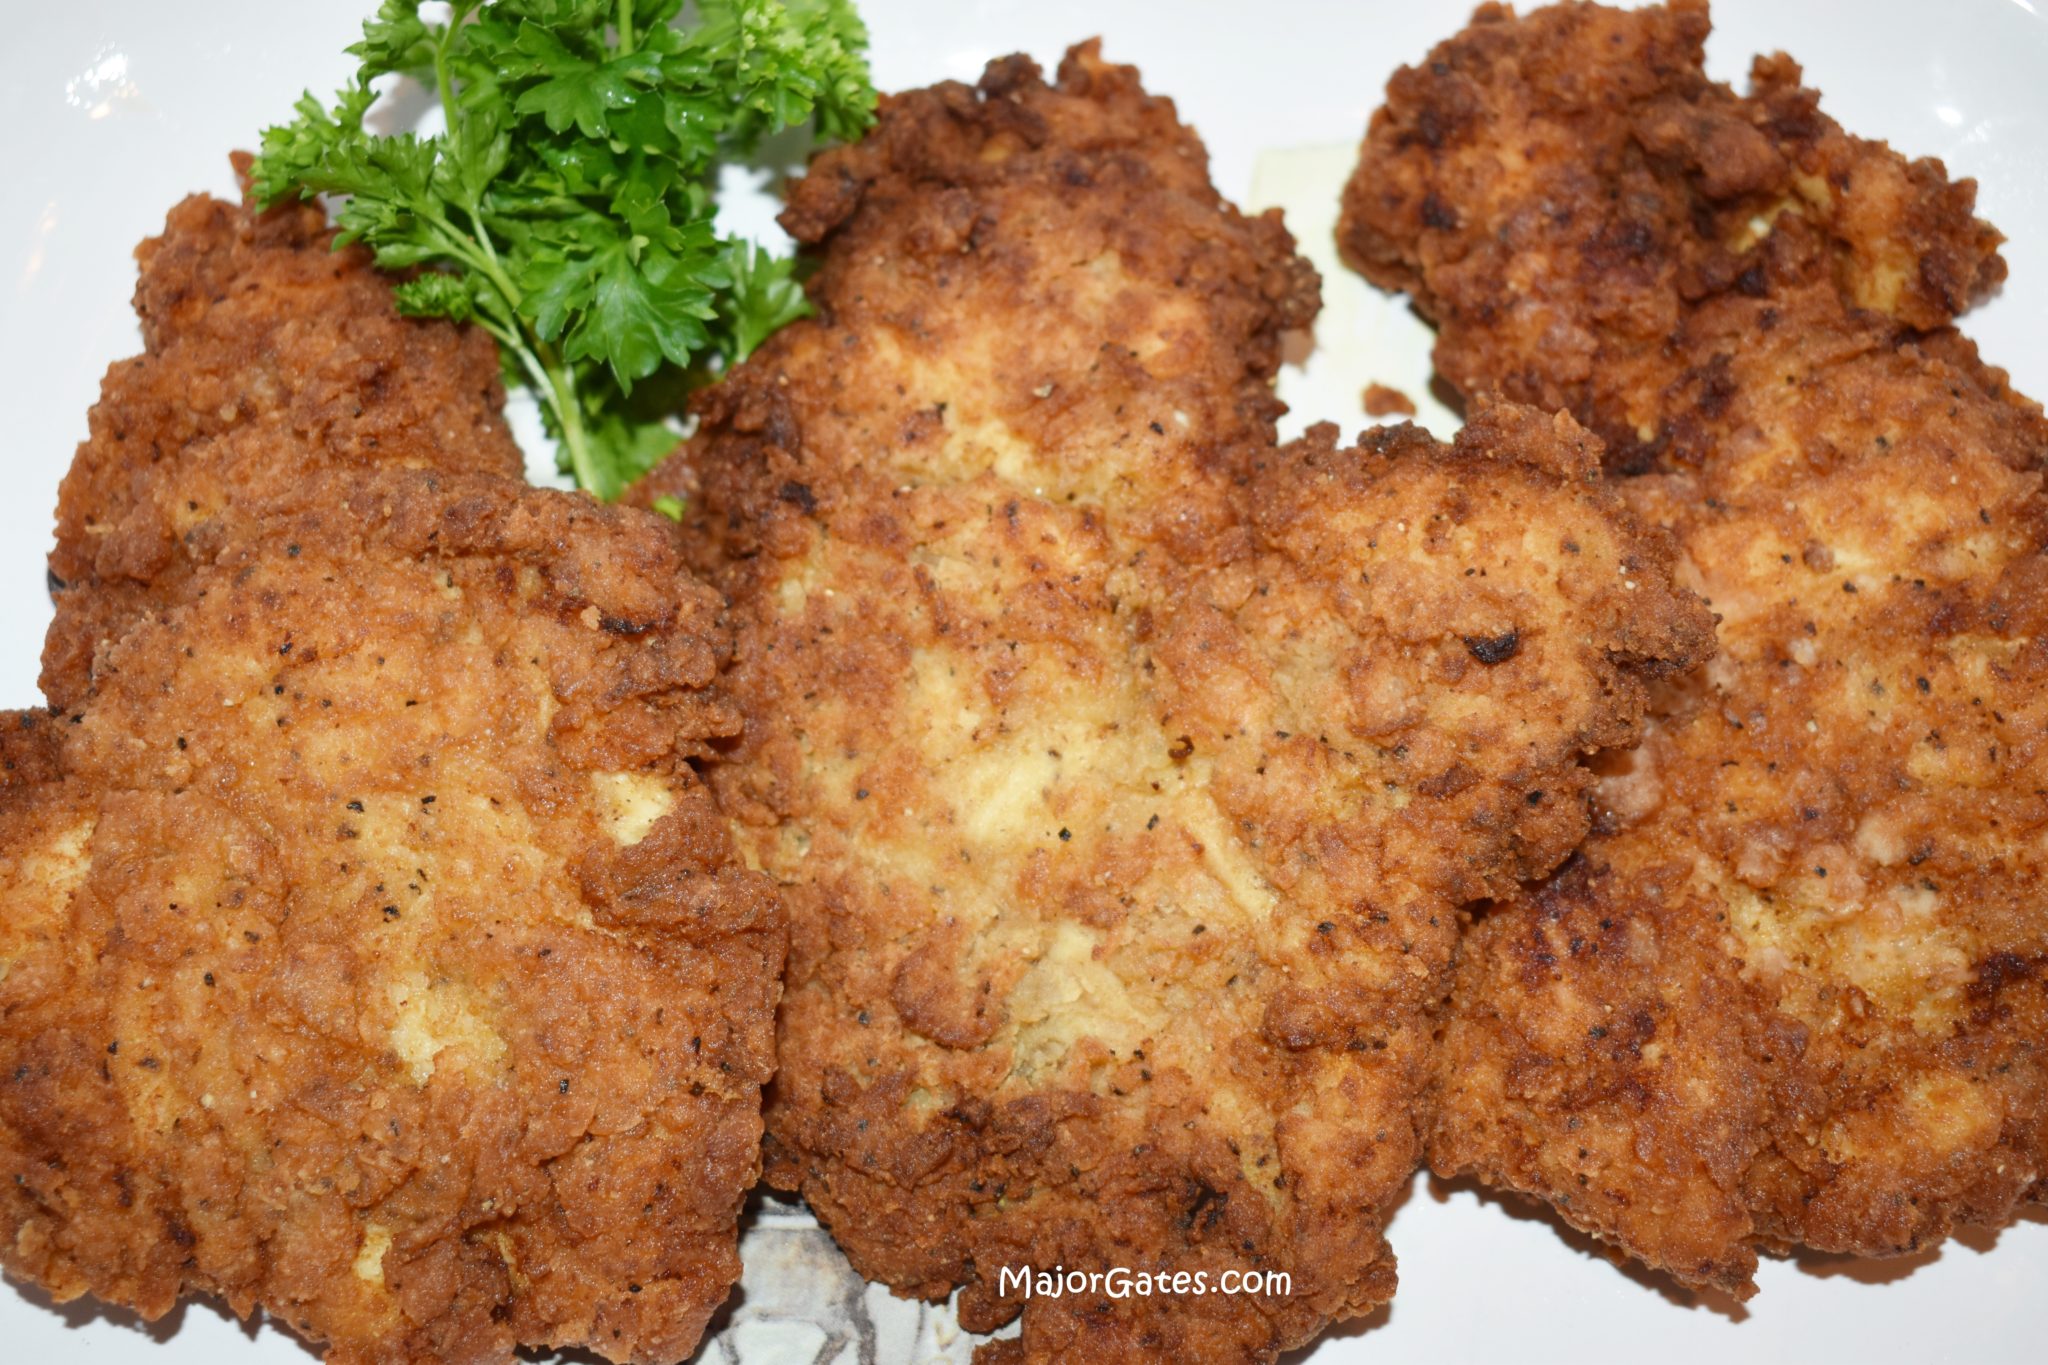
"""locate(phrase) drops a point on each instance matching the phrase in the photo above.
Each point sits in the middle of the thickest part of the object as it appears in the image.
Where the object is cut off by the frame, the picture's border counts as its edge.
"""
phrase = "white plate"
(118, 107)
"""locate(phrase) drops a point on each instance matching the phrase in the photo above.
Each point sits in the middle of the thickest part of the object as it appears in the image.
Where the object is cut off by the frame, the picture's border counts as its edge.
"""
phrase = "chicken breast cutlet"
(267, 354)
(1797, 989)
(1123, 772)
(370, 955)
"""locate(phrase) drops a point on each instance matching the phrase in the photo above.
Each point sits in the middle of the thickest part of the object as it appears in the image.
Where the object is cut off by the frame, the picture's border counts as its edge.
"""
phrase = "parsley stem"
(474, 251)
(569, 414)
(498, 275)
(551, 378)
(555, 385)
(441, 77)
(446, 83)
(625, 27)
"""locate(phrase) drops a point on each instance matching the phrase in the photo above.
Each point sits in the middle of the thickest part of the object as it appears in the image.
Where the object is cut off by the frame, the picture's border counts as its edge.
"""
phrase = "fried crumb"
(1383, 401)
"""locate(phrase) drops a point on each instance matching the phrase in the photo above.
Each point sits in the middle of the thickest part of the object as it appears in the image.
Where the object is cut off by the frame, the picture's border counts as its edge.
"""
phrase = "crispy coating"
(1123, 772)
(1557, 192)
(373, 957)
(30, 749)
(1797, 990)
(266, 355)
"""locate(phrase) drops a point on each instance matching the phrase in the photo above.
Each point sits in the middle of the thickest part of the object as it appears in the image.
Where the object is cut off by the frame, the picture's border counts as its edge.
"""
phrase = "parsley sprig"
(568, 207)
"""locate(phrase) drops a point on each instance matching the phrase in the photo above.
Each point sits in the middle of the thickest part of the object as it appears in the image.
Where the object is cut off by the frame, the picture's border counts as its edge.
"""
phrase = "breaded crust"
(1797, 990)
(1558, 191)
(375, 959)
(266, 355)
(1123, 772)
(31, 752)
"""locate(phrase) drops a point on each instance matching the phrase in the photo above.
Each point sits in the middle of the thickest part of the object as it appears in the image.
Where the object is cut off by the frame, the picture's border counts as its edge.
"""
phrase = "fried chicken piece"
(266, 355)
(1123, 772)
(1797, 991)
(374, 958)
(1558, 192)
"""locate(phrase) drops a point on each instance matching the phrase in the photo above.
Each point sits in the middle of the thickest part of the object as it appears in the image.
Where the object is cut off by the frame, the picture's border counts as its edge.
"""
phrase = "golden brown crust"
(1555, 191)
(1124, 773)
(266, 355)
(1798, 992)
(29, 749)
(378, 960)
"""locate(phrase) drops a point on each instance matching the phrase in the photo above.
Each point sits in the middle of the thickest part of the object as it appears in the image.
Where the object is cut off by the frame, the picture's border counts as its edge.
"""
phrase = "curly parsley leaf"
(568, 207)
(765, 293)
